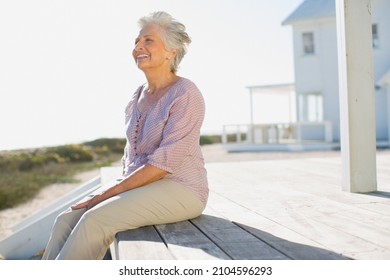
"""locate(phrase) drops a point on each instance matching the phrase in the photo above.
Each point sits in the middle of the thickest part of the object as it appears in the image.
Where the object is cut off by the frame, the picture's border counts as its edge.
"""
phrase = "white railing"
(277, 133)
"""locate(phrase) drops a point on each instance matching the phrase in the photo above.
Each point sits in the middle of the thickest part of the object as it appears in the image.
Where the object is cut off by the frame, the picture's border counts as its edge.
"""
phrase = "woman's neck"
(160, 81)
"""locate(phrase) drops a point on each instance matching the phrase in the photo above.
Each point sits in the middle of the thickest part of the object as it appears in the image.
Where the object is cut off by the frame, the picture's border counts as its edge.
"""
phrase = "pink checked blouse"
(166, 136)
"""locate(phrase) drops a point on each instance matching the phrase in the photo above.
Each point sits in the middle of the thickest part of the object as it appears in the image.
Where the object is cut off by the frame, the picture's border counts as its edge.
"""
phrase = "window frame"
(308, 113)
(308, 43)
(375, 36)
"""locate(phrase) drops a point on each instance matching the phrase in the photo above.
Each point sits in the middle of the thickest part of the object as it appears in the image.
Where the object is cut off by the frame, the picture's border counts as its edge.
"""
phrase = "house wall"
(381, 109)
(380, 16)
(319, 72)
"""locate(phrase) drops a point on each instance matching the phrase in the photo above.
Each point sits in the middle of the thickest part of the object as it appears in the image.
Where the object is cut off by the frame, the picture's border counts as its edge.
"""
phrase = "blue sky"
(66, 70)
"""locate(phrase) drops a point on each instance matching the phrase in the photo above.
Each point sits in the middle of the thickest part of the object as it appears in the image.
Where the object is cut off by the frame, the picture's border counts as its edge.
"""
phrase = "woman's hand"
(144, 175)
(88, 203)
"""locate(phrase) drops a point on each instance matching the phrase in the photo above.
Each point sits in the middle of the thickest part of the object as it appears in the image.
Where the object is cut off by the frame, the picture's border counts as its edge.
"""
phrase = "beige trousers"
(86, 235)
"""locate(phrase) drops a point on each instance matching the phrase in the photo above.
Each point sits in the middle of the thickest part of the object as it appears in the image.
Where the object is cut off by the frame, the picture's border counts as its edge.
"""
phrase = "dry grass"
(24, 173)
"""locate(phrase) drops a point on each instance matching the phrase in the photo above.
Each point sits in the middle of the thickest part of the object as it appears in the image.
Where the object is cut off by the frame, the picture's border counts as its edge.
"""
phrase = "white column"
(357, 96)
(387, 87)
(388, 115)
(251, 132)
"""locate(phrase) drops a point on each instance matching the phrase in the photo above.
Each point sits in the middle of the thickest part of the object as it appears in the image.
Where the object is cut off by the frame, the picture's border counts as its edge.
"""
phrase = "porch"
(297, 205)
(290, 136)
(271, 207)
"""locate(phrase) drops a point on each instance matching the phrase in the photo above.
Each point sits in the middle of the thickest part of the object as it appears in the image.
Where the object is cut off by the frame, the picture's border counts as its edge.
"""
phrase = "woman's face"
(149, 50)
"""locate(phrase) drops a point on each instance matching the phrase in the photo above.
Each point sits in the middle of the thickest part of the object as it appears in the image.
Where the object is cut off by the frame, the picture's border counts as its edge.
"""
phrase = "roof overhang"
(385, 80)
(273, 89)
(312, 10)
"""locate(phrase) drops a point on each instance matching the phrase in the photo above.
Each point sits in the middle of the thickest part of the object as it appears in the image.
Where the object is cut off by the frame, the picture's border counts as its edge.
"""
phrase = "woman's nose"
(138, 46)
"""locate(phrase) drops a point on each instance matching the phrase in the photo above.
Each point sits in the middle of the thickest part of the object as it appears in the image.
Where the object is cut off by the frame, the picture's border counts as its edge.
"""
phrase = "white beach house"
(316, 88)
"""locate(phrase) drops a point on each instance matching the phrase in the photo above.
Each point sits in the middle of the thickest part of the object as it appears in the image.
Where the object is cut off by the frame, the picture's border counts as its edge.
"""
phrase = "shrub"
(115, 145)
(209, 139)
(24, 172)
(30, 162)
(72, 153)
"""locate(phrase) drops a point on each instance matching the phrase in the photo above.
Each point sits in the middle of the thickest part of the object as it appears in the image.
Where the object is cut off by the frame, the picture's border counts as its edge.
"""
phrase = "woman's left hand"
(144, 175)
(88, 203)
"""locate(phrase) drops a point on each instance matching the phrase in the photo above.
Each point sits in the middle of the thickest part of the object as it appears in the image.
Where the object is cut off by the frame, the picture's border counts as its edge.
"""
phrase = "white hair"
(174, 35)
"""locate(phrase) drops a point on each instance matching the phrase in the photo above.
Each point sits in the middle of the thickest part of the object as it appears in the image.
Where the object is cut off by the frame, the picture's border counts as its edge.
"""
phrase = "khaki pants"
(81, 234)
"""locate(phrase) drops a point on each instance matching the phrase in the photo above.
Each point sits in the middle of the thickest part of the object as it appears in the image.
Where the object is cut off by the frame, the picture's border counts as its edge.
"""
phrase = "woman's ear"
(172, 54)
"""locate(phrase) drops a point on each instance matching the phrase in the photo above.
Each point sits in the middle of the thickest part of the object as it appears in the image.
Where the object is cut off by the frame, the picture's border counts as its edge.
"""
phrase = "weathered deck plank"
(236, 242)
(292, 243)
(186, 242)
(305, 197)
(140, 244)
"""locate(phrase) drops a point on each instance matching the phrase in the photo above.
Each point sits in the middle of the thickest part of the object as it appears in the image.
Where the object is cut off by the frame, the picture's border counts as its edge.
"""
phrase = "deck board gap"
(216, 244)
(269, 244)
(161, 236)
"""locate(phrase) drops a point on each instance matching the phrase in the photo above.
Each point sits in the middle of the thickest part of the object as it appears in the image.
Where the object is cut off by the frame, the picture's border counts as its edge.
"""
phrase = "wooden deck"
(297, 207)
(277, 209)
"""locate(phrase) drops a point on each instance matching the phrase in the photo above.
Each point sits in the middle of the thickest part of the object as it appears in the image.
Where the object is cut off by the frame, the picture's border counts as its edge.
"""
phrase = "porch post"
(388, 114)
(251, 133)
(357, 96)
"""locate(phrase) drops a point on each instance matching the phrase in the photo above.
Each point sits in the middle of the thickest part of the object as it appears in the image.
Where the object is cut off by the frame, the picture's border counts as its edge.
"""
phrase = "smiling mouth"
(142, 56)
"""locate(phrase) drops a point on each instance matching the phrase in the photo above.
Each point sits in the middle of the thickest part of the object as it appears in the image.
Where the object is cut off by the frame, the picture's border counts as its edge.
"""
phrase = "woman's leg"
(63, 226)
(65, 223)
(161, 202)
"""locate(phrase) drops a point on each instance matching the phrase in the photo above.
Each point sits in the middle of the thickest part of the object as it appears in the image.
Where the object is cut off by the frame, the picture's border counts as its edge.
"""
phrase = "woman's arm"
(144, 175)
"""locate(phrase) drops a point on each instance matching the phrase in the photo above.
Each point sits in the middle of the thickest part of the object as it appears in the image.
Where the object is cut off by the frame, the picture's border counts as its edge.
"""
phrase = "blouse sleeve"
(181, 132)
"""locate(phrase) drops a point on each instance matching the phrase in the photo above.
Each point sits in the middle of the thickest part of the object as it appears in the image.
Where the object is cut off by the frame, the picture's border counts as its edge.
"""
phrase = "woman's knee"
(62, 220)
(93, 218)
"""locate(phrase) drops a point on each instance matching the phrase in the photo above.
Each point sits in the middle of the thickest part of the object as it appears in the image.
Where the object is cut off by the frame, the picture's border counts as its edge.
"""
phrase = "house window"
(311, 107)
(308, 43)
(375, 36)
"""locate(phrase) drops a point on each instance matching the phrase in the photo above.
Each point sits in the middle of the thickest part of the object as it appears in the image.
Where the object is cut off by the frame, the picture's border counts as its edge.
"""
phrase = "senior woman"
(164, 179)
